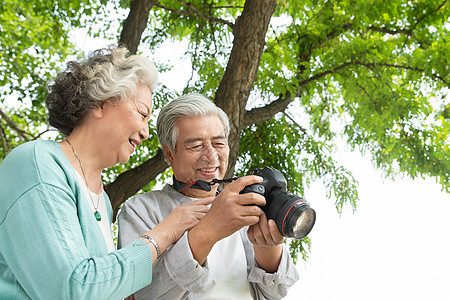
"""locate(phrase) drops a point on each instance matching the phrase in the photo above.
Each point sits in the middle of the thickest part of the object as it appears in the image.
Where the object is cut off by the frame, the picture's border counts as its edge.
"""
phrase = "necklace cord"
(96, 213)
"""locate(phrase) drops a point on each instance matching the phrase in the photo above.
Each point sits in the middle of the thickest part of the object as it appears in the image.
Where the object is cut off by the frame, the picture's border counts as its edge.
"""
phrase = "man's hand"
(266, 240)
(229, 212)
(265, 233)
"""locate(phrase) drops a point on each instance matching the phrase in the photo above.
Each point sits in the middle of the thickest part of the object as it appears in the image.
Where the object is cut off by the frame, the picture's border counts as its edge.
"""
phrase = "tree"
(293, 77)
(33, 40)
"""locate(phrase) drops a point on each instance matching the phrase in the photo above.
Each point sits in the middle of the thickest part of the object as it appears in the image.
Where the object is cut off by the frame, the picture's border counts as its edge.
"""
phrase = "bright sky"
(395, 246)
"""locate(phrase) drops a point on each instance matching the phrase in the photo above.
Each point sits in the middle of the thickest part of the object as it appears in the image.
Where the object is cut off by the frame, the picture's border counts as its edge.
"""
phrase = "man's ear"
(168, 153)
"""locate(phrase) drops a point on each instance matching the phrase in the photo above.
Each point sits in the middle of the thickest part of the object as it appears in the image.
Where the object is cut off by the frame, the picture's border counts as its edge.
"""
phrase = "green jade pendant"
(98, 216)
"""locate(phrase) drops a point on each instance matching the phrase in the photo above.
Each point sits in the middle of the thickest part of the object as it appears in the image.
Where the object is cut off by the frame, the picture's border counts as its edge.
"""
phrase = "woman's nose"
(144, 133)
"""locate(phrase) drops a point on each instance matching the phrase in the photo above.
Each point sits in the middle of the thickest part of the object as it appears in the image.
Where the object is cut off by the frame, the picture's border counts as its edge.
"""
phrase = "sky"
(395, 246)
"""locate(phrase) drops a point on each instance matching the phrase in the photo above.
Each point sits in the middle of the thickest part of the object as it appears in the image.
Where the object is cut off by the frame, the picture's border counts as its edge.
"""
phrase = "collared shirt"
(176, 274)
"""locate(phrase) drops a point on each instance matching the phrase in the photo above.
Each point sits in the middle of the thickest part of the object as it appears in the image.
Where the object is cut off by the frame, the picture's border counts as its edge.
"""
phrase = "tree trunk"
(240, 75)
(135, 24)
(130, 182)
(232, 95)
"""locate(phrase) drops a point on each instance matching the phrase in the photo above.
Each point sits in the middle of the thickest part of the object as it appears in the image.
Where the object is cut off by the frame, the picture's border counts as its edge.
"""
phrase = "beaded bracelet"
(152, 240)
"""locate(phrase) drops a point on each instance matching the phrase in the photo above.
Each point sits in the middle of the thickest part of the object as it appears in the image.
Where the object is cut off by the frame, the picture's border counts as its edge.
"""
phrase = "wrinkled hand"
(185, 216)
(266, 240)
(265, 233)
(231, 211)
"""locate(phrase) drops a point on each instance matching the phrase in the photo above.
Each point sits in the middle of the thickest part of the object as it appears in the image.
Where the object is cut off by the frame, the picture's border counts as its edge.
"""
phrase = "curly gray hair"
(106, 74)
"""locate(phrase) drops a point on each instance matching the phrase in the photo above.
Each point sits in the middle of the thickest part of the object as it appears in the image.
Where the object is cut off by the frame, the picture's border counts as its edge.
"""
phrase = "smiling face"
(128, 123)
(201, 150)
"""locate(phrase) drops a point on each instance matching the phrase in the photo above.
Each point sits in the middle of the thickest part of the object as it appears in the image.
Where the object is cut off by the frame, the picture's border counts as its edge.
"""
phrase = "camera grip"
(254, 188)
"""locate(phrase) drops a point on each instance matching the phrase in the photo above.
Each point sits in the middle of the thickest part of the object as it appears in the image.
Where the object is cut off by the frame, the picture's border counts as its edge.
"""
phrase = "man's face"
(201, 150)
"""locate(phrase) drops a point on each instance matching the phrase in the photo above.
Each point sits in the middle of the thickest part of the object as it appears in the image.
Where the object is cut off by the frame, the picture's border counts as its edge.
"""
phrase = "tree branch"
(368, 65)
(295, 122)
(130, 182)
(408, 33)
(135, 23)
(13, 125)
(425, 15)
(391, 31)
(265, 113)
(6, 145)
(375, 103)
(193, 11)
(240, 74)
(194, 59)
(324, 73)
(400, 67)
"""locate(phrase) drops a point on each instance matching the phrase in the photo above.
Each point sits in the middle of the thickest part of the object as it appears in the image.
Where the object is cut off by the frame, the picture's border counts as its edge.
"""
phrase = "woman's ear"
(98, 112)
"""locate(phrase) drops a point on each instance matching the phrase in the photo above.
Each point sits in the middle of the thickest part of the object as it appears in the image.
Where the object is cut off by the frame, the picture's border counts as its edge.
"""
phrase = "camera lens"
(292, 214)
(300, 221)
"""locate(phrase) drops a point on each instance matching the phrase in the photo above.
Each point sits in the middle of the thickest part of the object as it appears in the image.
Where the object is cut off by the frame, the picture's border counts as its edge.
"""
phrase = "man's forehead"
(200, 127)
(202, 138)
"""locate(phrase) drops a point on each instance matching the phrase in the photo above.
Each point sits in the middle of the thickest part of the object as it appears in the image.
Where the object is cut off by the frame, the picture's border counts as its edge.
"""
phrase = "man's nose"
(209, 152)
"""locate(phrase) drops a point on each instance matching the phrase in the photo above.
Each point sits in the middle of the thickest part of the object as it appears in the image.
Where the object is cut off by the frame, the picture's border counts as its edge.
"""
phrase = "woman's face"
(127, 123)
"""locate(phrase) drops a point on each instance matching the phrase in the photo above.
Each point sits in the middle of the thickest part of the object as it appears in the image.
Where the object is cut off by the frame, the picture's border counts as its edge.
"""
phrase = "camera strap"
(200, 184)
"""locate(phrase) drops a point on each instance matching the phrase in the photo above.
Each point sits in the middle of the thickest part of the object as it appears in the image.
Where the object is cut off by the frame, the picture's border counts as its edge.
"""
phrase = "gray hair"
(190, 105)
(106, 74)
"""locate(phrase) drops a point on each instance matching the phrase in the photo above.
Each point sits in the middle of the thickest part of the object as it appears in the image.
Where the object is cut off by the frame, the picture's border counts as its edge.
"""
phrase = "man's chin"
(198, 193)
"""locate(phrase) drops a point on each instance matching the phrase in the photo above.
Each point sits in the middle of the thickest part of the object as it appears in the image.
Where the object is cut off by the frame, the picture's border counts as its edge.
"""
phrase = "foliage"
(34, 40)
(299, 247)
(371, 74)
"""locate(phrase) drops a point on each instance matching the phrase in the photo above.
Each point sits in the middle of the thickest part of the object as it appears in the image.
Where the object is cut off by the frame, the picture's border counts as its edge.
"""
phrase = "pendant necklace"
(97, 214)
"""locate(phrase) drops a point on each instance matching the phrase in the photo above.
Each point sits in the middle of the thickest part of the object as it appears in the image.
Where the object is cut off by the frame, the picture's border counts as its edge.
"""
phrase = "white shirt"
(104, 224)
(228, 270)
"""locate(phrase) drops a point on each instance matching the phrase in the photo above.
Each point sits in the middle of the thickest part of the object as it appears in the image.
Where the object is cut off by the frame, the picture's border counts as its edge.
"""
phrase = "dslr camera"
(292, 214)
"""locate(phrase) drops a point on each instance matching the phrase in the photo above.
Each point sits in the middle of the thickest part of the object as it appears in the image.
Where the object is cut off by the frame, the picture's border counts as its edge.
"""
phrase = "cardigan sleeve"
(43, 245)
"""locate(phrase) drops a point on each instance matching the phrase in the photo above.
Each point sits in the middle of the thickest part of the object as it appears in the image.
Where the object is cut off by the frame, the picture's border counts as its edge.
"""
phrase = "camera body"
(292, 214)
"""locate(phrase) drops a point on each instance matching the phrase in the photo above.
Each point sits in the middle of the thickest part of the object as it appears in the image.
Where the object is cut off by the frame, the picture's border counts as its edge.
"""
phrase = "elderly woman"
(55, 218)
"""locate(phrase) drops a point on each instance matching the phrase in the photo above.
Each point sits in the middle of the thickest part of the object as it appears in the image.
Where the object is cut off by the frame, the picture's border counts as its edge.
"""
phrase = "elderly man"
(220, 257)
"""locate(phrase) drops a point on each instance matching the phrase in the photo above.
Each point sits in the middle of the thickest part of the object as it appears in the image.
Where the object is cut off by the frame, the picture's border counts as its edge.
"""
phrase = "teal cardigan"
(50, 244)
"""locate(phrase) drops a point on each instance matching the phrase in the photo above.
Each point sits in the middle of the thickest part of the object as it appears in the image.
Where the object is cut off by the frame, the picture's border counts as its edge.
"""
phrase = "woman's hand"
(185, 216)
(182, 218)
